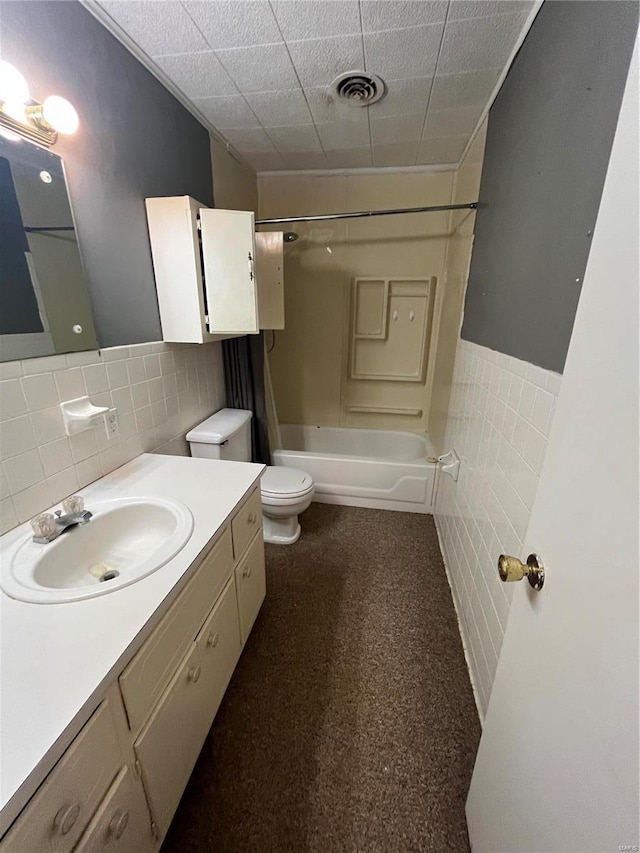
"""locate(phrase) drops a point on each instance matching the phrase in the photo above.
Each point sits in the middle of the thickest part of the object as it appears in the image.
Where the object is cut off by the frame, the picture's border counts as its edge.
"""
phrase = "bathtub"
(381, 469)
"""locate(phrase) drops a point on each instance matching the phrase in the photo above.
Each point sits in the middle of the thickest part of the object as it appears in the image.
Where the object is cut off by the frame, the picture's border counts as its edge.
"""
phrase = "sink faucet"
(47, 527)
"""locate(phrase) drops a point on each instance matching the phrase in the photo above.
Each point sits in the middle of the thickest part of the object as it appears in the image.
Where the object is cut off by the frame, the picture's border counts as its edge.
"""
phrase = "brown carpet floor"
(349, 724)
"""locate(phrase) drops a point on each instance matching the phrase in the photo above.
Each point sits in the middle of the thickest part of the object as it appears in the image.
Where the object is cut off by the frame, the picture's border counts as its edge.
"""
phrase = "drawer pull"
(246, 572)
(66, 818)
(118, 823)
(193, 674)
(252, 518)
(212, 640)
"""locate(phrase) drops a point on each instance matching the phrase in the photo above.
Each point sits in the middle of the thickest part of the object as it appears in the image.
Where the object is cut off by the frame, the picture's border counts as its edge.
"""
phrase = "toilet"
(286, 492)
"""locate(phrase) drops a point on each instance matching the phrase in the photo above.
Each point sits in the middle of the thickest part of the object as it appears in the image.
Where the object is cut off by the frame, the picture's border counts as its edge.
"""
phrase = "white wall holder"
(80, 415)
(450, 464)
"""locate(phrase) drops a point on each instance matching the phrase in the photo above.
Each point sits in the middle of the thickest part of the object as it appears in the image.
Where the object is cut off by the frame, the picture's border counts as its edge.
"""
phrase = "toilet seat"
(286, 485)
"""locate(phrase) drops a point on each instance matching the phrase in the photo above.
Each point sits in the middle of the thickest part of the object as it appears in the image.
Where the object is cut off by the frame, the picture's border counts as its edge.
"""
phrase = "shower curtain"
(245, 388)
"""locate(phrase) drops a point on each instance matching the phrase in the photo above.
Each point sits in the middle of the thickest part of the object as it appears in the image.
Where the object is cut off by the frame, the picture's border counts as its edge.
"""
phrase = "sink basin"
(125, 541)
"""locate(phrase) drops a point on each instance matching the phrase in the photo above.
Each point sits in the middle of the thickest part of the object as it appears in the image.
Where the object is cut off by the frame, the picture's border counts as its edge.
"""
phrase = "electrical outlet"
(111, 422)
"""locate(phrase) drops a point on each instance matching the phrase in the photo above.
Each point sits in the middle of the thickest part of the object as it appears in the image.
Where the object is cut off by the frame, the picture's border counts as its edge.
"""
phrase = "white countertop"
(56, 660)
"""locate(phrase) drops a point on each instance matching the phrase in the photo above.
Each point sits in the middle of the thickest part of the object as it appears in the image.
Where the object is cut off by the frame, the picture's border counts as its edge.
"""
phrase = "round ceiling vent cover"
(358, 89)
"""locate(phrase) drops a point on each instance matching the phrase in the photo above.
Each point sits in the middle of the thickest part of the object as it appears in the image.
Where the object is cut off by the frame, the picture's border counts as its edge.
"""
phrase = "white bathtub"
(382, 469)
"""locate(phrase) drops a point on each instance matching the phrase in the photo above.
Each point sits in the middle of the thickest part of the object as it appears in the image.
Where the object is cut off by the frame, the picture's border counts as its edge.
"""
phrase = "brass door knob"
(513, 569)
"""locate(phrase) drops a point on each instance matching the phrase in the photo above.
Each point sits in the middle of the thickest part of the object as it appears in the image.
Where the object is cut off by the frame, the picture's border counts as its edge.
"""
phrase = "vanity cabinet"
(207, 280)
(117, 786)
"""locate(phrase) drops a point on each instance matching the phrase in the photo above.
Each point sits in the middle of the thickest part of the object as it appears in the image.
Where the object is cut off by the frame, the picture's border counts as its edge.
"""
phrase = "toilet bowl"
(286, 492)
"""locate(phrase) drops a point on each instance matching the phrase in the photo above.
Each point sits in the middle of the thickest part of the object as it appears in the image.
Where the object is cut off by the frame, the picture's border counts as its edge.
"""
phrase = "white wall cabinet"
(207, 280)
(117, 786)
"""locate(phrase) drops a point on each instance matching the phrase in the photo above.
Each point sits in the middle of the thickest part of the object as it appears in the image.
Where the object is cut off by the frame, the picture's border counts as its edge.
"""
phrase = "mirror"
(44, 300)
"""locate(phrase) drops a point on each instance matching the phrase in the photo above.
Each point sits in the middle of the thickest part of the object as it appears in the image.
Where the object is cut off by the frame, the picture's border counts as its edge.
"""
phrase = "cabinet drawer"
(149, 672)
(122, 822)
(246, 522)
(170, 742)
(250, 586)
(220, 647)
(64, 804)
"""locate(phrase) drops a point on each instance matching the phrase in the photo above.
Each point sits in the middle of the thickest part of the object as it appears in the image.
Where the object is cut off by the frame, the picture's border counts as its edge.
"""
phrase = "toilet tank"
(225, 435)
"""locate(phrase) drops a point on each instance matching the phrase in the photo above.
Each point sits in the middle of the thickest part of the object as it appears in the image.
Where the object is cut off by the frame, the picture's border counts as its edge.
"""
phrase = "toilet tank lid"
(219, 427)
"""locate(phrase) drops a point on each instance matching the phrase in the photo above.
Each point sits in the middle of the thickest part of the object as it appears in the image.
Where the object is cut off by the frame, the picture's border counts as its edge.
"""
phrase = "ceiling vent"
(358, 89)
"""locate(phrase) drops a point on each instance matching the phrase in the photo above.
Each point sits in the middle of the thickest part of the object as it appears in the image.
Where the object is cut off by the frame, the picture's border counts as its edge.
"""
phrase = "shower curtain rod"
(362, 213)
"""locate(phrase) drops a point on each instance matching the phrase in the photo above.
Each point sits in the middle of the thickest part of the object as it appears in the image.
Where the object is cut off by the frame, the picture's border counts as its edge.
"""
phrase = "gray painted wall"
(135, 140)
(549, 138)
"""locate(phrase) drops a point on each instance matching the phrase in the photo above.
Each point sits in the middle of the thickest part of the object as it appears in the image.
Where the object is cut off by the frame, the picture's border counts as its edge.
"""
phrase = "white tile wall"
(160, 391)
(500, 415)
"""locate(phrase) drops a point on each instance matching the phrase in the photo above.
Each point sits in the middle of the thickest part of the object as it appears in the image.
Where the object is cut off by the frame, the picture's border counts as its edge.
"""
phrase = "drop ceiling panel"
(396, 154)
(260, 72)
(299, 137)
(274, 109)
(319, 61)
(173, 31)
(222, 26)
(198, 75)
(249, 139)
(353, 133)
(456, 122)
(380, 15)
(401, 54)
(463, 90)
(260, 68)
(478, 43)
(386, 131)
(314, 19)
(227, 111)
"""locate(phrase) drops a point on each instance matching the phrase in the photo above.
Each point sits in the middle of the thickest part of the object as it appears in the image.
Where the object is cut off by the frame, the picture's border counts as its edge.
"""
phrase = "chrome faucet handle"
(73, 504)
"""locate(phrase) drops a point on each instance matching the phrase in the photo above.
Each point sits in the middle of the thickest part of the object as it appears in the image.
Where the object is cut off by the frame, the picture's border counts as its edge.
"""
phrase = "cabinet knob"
(252, 518)
(66, 818)
(193, 674)
(212, 640)
(118, 823)
(246, 572)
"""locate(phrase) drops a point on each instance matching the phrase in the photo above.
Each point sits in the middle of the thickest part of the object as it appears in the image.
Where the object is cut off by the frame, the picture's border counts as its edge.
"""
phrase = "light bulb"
(15, 110)
(60, 114)
(13, 86)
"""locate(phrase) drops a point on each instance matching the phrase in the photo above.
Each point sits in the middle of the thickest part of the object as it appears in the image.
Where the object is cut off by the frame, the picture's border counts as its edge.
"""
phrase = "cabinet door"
(270, 278)
(61, 808)
(251, 586)
(175, 251)
(170, 742)
(220, 646)
(122, 823)
(228, 256)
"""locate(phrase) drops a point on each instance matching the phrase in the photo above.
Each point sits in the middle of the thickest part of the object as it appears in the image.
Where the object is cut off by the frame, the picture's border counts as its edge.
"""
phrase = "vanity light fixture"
(20, 115)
